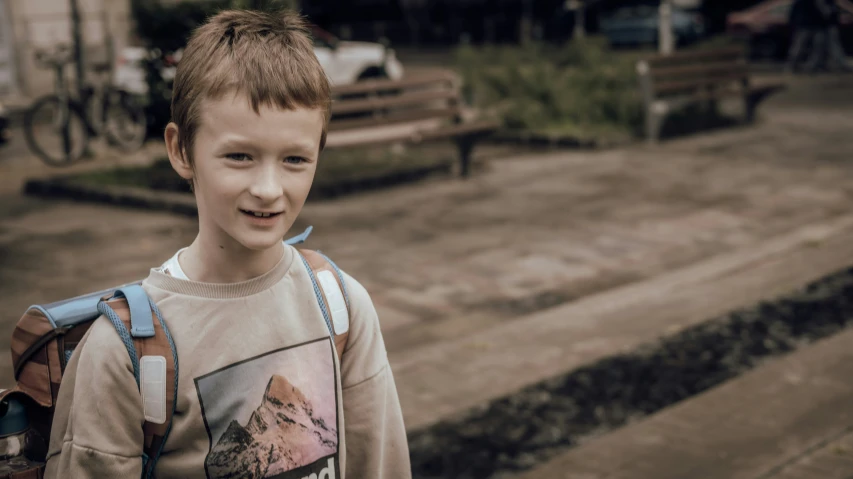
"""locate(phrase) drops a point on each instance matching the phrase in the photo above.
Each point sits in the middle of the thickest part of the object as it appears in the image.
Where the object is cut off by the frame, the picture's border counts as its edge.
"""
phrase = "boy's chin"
(261, 243)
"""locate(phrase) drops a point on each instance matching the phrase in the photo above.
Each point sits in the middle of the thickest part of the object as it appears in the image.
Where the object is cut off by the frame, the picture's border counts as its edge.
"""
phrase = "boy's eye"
(237, 156)
(294, 160)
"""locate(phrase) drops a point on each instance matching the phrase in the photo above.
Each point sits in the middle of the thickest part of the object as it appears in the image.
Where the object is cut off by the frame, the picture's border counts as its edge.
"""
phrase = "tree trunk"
(580, 20)
(525, 29)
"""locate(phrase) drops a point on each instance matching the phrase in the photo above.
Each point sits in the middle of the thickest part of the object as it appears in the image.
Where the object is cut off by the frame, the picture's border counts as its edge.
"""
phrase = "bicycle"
(58, 127)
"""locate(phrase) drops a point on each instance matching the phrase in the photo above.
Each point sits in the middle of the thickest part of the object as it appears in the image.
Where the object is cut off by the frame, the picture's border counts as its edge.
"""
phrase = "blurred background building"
(29, 25)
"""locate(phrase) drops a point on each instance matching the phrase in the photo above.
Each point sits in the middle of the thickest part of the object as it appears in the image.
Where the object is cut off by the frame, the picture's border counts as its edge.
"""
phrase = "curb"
(16, 108)
(378, 182)
(63, 187)
(525, 138)
(184, 204)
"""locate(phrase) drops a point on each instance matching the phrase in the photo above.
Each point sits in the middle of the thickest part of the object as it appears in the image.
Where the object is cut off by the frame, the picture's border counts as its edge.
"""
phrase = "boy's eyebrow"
(241, 143)
(234, 143)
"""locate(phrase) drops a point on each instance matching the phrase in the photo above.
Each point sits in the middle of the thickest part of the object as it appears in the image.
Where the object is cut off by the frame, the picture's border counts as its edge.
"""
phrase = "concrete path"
(791, 418)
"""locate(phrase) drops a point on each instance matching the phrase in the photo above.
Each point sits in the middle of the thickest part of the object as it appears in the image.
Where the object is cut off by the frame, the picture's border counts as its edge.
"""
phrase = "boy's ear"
(179, 161)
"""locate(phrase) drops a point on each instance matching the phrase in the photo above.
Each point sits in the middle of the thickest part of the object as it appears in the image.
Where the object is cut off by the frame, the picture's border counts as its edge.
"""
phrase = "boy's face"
(247, 165)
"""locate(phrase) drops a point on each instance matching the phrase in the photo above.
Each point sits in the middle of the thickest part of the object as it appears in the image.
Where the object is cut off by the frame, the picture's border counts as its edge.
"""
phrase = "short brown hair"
(269, 57)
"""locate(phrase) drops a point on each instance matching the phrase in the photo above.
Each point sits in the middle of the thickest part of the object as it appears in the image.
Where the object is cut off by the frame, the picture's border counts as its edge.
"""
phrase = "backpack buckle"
(141, 320)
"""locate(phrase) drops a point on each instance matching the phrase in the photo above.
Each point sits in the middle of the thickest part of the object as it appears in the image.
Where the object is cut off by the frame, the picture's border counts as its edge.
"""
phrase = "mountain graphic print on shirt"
(273, 416)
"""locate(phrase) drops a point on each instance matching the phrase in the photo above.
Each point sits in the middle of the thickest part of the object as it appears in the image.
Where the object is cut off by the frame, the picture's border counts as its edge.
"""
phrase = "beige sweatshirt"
(260, 393)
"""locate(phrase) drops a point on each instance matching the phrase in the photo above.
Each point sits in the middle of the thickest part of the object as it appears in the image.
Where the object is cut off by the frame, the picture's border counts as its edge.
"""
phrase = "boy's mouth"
(259, 214)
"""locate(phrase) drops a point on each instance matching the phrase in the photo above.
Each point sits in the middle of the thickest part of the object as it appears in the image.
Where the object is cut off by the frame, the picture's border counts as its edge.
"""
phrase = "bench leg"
(712, 108)
(750, 104)
(654, 122)
(466, 146)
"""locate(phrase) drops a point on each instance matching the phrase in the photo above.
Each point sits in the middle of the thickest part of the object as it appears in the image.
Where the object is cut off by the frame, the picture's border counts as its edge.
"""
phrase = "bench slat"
(670, 87)
(367, 105)
(394, 117)
(372, 86)
(716, 94)
(701, 69)
(414, 134)
(695, 56)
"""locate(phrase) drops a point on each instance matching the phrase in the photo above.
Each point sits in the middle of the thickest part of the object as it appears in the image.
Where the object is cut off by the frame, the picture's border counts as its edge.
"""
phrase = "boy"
(260, 392)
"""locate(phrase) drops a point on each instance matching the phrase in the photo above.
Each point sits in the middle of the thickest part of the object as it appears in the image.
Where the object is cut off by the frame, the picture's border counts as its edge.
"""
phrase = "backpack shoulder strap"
(332, 296)
(155, 364)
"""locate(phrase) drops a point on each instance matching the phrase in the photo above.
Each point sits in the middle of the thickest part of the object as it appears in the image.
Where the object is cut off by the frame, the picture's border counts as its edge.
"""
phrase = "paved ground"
(448, 258)
(789, 419)
(439, 380)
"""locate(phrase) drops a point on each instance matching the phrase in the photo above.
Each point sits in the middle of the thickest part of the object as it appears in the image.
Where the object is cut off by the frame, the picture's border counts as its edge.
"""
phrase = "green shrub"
(578, 88)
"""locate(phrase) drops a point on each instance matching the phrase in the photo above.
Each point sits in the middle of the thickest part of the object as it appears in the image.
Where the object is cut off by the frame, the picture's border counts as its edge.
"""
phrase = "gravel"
(517, 432)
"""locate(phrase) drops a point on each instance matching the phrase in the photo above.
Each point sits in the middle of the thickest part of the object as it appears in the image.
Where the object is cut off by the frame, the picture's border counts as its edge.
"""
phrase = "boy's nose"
(266, 186)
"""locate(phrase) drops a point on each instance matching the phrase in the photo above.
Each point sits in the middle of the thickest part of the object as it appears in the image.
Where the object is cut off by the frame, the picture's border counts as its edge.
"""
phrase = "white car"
(344, 62)
(129, 71)
(350, 62)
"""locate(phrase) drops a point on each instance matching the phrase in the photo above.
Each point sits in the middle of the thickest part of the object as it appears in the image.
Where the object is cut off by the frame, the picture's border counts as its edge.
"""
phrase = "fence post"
(109, 39)
(77, 46)
(665, 34)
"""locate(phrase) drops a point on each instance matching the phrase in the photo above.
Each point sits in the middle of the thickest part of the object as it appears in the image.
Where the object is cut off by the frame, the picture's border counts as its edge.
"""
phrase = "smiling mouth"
(256, 214)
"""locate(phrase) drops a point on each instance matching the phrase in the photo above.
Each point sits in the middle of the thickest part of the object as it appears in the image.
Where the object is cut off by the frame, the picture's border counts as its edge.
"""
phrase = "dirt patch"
(339, 172)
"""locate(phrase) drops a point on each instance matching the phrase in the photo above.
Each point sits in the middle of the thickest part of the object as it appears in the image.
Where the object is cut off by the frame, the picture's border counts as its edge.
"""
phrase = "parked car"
(348, 62)
(129, 72)
(766, 29)
(344, 62)
(639, 25)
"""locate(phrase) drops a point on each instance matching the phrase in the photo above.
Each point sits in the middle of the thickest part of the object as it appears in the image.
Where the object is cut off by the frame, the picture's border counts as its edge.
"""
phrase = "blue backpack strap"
(124, 334)
(141, 322)
(300, 238)
(142, 312)
(318, 294)
(159, 434)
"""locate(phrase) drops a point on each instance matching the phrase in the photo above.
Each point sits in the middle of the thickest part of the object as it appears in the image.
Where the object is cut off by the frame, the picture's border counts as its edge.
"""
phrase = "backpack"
(45, 337)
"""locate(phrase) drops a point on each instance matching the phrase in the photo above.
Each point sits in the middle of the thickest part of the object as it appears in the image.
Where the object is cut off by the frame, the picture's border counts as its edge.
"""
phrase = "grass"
(338, 171)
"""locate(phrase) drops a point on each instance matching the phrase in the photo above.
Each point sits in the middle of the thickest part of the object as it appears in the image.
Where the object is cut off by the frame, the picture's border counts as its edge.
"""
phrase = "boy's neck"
(210, 263)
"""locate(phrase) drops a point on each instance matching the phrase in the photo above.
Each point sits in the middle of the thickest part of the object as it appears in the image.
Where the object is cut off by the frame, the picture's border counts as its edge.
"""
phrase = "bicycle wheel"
(58, 137)
(125, 124)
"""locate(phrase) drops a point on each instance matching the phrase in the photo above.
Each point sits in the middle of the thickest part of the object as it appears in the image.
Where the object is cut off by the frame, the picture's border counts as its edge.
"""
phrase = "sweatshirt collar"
(164, 281)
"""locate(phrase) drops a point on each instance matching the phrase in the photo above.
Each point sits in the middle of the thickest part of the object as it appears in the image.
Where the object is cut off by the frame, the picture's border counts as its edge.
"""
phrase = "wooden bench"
(413, 110)
(672, 82)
